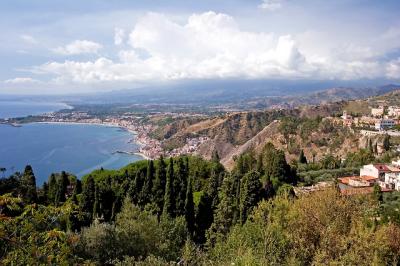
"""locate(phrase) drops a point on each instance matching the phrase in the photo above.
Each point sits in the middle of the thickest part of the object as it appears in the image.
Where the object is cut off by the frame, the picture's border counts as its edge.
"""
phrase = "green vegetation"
(194, 212)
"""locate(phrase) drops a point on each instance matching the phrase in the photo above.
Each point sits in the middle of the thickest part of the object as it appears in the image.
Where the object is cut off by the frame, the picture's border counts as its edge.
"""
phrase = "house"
(377, 170)
(347, 119)
(359, 181)
(394, 111)
(378, 112)
(383, 124)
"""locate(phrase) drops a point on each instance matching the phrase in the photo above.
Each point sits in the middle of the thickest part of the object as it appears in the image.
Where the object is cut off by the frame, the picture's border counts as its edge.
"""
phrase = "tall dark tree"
(180, 186)
(78, 187)
(370, 147)
(135, 187)
(224, 215)
(169, 197)
(159, 183)
(204, 218)
(215, 156)
(45, 191)
(148, 183)
(77, 190)
(302, 157)
(240, 165)
(51, 195)
(386, 142)
(29, 185)
(62, 185)
(212, 189)
(189, 208)
(276, 168)
(250, 194)
(376, 148)
(259, 165)
(88, 195)
(96, 203)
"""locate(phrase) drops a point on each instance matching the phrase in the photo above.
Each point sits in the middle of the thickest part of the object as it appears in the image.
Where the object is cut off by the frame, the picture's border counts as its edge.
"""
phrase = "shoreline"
(132, 132)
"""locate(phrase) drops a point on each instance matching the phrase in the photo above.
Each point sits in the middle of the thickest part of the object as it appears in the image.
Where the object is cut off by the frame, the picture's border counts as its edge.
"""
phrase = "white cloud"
(21, 80)
(78, 47)
(28, 39)
(211, 45)
(271, 5)
(119, 36)
(393, 69)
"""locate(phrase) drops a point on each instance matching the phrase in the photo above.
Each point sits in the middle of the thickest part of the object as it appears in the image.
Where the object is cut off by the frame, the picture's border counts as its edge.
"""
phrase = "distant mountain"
(241, 95)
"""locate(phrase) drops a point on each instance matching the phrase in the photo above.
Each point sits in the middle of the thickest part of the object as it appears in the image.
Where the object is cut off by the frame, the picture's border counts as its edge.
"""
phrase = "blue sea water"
(10, 109)
(75, 148)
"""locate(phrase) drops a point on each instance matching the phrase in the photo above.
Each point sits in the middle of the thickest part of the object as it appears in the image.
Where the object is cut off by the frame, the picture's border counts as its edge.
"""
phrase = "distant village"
(380, 121)
(149, 148)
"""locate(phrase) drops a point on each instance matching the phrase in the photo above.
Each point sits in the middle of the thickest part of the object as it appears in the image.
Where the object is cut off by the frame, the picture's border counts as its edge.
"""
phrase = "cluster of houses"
(380, 119)
(386, 176)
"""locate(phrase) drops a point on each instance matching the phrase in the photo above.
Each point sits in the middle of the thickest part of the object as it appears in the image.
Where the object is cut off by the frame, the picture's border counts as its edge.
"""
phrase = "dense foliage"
(194, 212)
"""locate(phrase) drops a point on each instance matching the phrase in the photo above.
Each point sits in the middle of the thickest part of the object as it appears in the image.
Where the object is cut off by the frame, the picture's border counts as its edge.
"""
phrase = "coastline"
(132, 132)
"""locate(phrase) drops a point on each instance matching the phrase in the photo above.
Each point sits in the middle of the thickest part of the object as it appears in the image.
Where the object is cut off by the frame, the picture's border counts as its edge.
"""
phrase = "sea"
(49, 147)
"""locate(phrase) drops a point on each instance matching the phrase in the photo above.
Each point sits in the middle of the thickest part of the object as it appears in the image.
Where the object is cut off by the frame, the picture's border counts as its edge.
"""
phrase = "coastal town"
(149, 148)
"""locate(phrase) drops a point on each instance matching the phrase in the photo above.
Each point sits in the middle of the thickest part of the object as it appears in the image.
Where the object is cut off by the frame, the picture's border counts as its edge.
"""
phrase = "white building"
(383, 124)
(388, 175)
(392, 181)
(377, 112)
(394, 111)
(378, 170)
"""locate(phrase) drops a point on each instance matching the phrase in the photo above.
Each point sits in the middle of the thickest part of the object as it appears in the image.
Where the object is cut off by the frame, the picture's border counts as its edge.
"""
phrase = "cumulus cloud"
(21, 80)
(393, 69)
(212, 45)
(78, 47)
(119, 36)
(271, 5)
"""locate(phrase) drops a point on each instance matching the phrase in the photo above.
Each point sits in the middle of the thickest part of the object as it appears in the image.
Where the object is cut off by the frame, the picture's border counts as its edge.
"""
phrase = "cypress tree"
(215, 156)
(96, 203)
(370, 147)
(51, 195)
(169, 197)
(136, 187)
(78, 187)
(212, 189)
(224, 215)
(139, 183)
(250, 194)
(302, 158)
(77, 191)
(62, 185)
(386, 142)
(180, 186)
(148, 183)
(29, 185)
(88, 195)
(259, 165)
(204, 218)
(189, 208)
(45, 192)
(159, 183)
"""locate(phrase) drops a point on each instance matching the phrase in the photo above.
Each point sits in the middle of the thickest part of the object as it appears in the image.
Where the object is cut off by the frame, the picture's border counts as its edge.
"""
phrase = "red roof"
(345, 180)
(361, 191)
(382, 167)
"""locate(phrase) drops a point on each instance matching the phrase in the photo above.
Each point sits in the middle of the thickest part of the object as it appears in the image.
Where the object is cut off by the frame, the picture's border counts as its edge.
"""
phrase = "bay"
(11, 109)
(75, 148)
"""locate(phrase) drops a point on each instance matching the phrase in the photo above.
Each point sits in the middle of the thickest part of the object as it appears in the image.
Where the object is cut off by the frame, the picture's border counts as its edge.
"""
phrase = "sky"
(58, 47)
